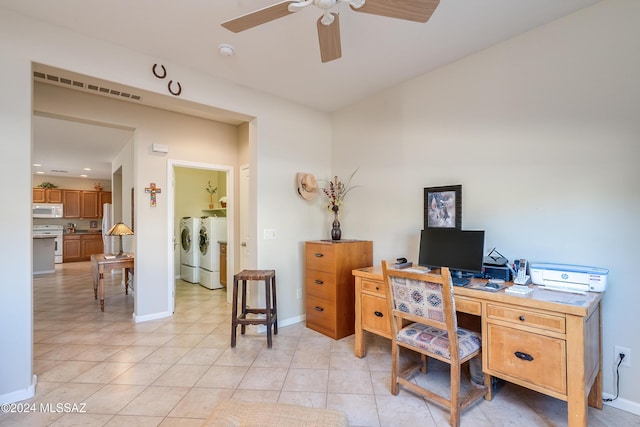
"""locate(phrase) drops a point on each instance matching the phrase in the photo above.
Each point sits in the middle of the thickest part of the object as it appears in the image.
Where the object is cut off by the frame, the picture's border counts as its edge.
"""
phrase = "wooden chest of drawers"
(329, 284)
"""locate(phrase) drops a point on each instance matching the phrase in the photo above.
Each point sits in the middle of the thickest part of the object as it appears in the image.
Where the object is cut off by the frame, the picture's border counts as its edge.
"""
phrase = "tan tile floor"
(172, 372)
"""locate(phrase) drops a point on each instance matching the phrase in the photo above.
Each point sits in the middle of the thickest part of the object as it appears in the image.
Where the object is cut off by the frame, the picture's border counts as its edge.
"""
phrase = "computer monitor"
(461, 251)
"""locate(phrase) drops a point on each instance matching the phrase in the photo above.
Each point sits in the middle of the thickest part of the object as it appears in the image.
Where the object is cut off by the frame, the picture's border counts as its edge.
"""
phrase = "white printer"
(569, 278)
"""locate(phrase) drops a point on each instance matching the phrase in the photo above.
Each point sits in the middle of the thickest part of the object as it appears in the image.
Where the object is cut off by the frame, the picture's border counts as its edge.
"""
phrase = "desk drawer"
(379, 288)
(320, 257)
(541, 362)
(468, 306)
(519, 316)
(320, 284)
(375, 317)
(321, 315)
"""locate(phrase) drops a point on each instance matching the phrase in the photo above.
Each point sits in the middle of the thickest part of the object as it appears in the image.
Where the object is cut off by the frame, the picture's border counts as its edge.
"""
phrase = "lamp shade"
(120, 229)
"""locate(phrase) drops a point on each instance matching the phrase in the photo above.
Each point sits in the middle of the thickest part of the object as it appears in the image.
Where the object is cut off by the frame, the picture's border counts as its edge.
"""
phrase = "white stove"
(55, 230)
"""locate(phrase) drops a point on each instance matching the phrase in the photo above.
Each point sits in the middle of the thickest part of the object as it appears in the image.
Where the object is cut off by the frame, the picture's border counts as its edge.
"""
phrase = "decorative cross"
(153, 190)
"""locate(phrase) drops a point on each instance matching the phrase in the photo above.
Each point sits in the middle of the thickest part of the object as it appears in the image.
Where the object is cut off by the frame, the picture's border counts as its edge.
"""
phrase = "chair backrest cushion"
(424, 299)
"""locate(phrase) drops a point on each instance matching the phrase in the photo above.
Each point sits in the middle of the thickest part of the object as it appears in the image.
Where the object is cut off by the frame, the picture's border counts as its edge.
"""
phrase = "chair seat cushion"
(437, 341)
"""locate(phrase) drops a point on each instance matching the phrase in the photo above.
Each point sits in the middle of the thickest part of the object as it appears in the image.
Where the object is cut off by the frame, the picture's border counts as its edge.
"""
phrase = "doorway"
(186, 198)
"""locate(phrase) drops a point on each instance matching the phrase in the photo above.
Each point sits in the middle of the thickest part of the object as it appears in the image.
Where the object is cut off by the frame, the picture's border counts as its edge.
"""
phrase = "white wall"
(542, 131)
(282, 139)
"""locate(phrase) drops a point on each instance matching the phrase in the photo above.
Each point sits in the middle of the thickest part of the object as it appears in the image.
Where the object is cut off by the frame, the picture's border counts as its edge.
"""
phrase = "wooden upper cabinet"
(80, 204)
(71, 201)
(104, 197)
(89, 204)
(47, 195)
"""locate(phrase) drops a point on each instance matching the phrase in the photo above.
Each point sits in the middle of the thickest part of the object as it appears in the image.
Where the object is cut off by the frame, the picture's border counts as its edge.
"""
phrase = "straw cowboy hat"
(307, 185)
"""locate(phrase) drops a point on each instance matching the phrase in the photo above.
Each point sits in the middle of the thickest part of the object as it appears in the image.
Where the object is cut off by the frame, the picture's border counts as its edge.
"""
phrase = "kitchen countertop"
(83, 232)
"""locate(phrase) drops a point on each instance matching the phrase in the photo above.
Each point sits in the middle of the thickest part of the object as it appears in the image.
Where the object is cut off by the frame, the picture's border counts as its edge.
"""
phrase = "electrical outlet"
(627, 356)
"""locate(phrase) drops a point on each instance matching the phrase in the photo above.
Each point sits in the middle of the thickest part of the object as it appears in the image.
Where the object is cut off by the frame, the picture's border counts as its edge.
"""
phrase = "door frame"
(171, 164)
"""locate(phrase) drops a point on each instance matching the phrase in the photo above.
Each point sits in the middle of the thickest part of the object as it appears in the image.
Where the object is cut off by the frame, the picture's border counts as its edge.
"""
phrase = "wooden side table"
(100, 263)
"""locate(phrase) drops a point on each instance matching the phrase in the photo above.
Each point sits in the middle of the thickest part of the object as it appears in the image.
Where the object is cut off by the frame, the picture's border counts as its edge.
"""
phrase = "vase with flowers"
(211, 192)
(335, 193)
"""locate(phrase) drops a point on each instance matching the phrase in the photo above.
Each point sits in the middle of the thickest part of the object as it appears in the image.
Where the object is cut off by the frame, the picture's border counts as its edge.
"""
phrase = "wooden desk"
(100, 264)
(564, 339)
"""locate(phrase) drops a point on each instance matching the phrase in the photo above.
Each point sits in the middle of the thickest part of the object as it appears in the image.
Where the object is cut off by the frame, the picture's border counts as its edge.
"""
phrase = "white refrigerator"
(107, 223)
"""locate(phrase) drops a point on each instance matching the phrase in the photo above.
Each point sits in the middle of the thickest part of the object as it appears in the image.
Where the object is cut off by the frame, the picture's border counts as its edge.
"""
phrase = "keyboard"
(460, 281)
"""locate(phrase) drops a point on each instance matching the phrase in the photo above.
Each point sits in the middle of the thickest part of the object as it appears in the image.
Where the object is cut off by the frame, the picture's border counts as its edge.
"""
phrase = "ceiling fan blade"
(410, 10)
(259, 17)
(329, 38)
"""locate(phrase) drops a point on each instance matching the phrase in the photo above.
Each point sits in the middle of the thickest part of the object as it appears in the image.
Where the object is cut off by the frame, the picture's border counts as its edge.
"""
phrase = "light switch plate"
(269, 233)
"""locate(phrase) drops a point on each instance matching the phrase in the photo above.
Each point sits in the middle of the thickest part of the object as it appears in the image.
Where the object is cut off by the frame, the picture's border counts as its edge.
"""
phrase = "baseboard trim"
(624, 404)
(262, 329)
(18, 395)
(154, 316)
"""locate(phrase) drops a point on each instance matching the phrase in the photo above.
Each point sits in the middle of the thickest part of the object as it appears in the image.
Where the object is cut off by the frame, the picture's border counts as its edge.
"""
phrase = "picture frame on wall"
(443, 207)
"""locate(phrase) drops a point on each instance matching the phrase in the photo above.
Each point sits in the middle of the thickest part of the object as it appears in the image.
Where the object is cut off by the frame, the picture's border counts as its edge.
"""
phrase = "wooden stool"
(270, 311)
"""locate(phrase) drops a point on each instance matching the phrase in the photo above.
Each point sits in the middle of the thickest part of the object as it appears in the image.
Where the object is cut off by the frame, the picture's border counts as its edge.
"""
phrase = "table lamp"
(120, 229)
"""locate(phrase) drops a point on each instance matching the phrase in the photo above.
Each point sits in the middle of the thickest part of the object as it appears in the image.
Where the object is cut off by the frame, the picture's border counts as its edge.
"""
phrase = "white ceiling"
(282, 57)
(73, 149)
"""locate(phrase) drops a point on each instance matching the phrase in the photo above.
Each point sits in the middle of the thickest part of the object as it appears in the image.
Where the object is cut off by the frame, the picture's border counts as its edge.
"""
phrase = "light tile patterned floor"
(172, 372)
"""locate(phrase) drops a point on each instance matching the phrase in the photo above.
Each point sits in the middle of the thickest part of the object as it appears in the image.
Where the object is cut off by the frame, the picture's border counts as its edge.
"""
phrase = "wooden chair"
(424, 320)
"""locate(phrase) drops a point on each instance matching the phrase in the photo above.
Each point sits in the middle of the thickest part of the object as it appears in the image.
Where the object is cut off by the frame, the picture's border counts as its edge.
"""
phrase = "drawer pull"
(521, 318)
(319, 282)
(524, 356)
(319, 308)
(319, 255)
(379, 314)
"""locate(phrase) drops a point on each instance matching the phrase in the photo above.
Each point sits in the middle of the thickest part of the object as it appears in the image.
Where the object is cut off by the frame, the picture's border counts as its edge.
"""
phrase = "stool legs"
(270, 310)
(243, 307)
(234, 312)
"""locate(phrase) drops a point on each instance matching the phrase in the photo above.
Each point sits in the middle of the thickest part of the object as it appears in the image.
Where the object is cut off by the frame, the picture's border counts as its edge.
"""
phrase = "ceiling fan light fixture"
(226, 50)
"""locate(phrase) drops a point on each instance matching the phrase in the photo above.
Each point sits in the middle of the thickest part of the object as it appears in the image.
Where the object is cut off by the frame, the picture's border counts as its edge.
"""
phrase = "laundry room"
(200, 212)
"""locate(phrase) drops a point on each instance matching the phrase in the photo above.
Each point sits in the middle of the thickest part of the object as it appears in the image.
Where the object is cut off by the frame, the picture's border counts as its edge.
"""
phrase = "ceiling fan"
(328, 24)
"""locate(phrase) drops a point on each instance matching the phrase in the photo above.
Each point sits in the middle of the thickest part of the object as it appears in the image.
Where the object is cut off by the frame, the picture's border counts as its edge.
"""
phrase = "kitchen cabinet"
(91, 244)
(89, 204)
(329, 284)
(71, 202)
(71, 251)
(81, 204)
(80, 247)
(47, 195)
(103, 197)
(223, 264)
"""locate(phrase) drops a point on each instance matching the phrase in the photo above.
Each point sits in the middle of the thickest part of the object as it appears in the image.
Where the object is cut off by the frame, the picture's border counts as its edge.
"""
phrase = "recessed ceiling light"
(83, 176)
(37, 165)
(86, 169)
(40, 172)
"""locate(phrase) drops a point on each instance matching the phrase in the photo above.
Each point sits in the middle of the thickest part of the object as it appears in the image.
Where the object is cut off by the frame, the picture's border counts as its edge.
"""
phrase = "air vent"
(59, 171)
(86, 86)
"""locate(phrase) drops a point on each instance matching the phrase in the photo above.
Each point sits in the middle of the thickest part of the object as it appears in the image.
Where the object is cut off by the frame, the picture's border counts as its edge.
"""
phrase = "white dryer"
(212, 230)
(189, 253)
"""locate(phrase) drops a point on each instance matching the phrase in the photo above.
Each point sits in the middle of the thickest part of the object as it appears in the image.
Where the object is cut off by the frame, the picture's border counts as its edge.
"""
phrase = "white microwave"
(47, 210)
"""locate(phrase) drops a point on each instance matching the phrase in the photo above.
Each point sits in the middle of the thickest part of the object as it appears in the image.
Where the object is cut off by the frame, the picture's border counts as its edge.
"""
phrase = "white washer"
(212, 230)
(189, 254)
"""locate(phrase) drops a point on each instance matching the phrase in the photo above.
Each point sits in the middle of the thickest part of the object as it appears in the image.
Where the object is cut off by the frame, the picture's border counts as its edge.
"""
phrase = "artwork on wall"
(443, 207)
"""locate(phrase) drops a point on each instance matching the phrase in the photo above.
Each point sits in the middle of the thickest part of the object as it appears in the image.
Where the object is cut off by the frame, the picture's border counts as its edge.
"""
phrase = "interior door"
(245, 230)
